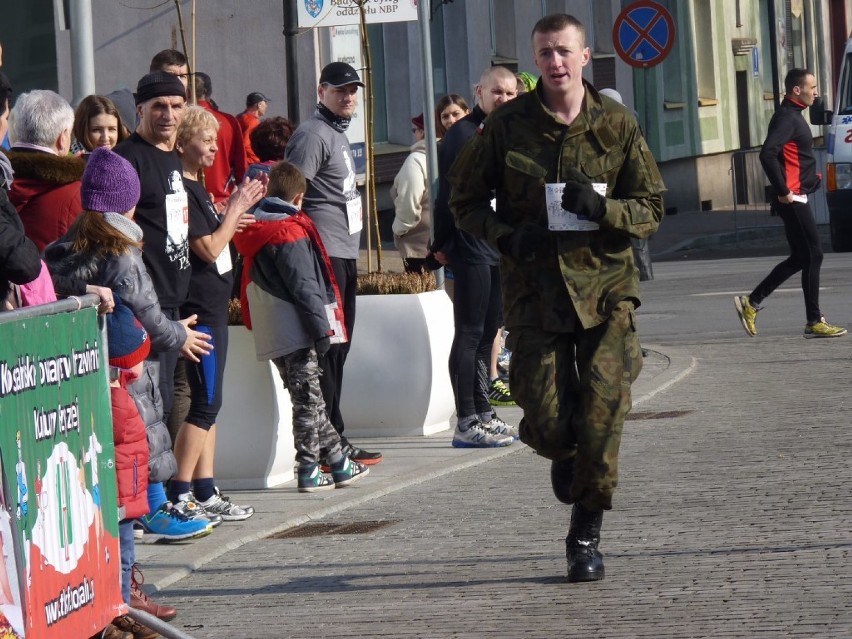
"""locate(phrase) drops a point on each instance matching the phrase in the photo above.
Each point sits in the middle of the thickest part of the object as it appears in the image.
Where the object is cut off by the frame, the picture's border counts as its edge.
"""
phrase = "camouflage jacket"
(521, 147)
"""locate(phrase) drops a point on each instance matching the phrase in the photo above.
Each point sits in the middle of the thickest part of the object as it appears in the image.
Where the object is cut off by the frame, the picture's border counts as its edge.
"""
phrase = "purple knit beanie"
(109, 183)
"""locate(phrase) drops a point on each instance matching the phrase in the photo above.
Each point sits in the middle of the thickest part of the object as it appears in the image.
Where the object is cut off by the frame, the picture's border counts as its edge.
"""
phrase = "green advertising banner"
(58, 468)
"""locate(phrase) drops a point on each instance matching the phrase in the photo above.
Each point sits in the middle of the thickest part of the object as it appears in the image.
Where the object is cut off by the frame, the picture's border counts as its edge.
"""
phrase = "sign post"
(643, 34)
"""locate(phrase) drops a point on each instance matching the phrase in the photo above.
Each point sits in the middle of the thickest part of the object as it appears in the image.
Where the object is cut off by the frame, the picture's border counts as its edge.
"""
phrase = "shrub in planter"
(396, 381)
(395, 283)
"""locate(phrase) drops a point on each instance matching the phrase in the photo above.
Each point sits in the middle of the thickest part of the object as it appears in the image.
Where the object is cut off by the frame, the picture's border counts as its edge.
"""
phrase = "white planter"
(254, 440)
(396, 380)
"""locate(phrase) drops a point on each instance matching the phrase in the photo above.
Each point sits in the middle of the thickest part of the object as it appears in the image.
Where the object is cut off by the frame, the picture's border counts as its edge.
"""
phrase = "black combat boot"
(561, 477)
(585, 562)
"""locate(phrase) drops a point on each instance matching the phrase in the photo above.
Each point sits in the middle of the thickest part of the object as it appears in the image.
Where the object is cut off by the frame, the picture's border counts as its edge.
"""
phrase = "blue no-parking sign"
(643, 34)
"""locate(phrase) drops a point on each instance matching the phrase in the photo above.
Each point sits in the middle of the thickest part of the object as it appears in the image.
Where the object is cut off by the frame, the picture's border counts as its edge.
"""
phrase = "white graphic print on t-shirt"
(177, 222)
(350, 192)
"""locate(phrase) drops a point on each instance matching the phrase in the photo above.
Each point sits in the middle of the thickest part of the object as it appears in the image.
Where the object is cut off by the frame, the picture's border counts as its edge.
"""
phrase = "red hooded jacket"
(46, 193)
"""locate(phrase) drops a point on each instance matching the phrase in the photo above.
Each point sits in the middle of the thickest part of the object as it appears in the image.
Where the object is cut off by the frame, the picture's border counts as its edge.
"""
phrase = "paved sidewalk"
(732, 519)
(408, 461)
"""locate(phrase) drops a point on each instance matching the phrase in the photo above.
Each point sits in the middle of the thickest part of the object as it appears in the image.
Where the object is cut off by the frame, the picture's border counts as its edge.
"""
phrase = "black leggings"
(805, 256)
(331, 379)
(478, 314)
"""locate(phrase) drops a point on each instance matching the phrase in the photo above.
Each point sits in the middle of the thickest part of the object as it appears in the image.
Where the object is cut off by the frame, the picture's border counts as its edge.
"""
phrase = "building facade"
(712, 95)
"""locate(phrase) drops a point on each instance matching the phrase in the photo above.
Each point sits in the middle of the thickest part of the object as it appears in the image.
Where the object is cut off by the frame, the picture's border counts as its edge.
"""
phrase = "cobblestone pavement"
(732, 519)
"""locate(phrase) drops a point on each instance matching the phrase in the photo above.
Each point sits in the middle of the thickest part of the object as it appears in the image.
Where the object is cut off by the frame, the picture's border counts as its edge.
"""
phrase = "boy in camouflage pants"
(292, 305)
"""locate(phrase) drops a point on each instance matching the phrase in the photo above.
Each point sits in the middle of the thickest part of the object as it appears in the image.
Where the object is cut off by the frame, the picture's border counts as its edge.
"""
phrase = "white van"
(838, 169)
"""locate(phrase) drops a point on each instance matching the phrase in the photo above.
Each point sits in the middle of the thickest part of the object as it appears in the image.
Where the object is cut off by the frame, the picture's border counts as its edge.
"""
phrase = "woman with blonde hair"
(210, 235)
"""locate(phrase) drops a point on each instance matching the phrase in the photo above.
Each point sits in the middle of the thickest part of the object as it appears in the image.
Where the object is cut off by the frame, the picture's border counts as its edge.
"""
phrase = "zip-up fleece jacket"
(288, 292)
(787, 155)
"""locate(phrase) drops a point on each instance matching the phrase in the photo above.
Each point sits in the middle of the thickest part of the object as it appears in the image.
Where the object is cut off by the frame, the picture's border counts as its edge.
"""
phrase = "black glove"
(322, 345)
(579, 196)
(524, 242)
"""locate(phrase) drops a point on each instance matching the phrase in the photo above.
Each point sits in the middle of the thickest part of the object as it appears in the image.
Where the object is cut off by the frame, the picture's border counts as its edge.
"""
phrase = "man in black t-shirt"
(162, 212)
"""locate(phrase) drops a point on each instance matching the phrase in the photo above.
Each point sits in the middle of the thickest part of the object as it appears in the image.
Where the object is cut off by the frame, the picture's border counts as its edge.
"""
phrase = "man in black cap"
(319, 148)
(256, 104)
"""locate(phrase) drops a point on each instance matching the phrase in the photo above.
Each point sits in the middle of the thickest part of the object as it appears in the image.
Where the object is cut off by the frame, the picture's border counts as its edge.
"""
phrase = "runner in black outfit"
(788, 160)
(477, 307)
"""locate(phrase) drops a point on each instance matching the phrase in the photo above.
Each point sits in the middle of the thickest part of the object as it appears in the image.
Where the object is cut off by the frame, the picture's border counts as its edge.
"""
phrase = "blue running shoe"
(170, 524)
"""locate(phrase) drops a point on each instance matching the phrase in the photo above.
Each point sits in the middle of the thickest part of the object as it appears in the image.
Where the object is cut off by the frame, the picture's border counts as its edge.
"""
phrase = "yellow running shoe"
(823, 329)
(747, 313)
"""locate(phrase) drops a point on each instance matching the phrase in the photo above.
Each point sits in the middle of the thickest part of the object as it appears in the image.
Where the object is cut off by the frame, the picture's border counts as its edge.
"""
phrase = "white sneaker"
(477, 436)
(220, 505)
(499, 427)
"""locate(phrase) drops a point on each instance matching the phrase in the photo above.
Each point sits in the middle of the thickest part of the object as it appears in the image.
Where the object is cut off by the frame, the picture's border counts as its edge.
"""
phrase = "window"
(672, 76)
(439, 56)
(704, 56)
(375, 33)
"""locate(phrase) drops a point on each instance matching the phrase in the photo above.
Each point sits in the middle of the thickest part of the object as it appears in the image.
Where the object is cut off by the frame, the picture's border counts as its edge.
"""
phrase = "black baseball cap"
(256, 98)
(338, 74)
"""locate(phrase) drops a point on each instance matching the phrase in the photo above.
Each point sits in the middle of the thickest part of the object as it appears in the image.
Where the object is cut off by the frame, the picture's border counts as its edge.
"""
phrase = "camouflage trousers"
(574, 389)
(312, 429)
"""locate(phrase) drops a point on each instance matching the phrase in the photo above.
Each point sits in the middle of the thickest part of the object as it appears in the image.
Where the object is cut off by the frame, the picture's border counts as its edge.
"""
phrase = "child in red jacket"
(129, 345)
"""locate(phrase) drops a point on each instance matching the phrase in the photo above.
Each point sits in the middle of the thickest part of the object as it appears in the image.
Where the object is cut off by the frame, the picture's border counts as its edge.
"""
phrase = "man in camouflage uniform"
(569, 295)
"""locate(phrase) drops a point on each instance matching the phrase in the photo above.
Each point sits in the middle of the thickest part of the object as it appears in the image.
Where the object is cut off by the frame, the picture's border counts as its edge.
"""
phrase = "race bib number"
(177, 218)
(558, 219)
(223, 262)
(353, 215)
